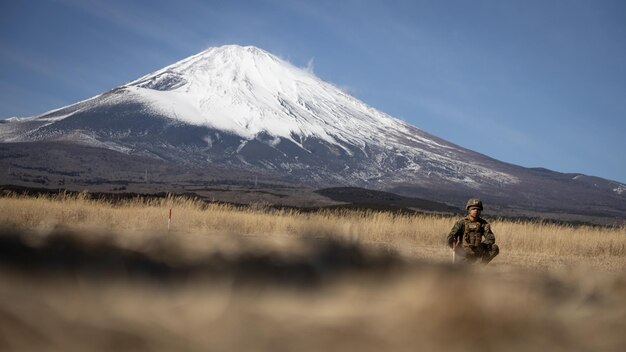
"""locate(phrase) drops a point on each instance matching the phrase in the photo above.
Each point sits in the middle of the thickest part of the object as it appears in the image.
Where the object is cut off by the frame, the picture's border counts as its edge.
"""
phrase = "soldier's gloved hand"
(483, 247)
(452, 243)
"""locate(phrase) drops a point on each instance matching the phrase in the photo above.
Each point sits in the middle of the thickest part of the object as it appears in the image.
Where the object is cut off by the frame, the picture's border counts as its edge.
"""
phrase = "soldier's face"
(474, 212)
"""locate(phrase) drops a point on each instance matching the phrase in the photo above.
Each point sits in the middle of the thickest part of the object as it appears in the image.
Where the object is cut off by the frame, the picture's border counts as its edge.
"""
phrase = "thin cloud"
(147, 24)
(346, 89)
(309, 66)
(22, 102)
(457, 116)
(41, 67)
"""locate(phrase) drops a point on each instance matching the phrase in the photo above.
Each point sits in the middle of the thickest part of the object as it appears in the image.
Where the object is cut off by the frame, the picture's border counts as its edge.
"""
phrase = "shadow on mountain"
(361, 198)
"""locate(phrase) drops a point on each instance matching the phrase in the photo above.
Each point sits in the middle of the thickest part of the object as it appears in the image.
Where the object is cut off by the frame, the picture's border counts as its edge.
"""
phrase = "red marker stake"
(169, 220)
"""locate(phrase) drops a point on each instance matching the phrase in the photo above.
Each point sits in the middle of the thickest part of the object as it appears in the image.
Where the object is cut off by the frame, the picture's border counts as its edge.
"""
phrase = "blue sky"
(533, 83)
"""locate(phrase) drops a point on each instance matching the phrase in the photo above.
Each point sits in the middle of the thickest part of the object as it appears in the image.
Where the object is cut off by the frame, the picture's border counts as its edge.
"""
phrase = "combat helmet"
(474, 202)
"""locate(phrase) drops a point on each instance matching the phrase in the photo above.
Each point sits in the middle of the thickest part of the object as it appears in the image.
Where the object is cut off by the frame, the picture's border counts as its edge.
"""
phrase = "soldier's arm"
(490, 238)
(456, 232)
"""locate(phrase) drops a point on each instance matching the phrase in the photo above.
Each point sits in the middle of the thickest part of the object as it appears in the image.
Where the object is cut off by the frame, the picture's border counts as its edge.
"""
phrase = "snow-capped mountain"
(246, 108)
(246, 101)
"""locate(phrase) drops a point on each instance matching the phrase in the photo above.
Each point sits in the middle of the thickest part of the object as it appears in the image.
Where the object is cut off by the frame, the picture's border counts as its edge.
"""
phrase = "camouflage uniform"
(475, 239)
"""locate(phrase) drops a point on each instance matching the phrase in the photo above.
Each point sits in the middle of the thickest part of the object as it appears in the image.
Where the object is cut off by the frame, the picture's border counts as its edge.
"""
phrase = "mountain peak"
(235, 55)
(247, 91)
(237, 50)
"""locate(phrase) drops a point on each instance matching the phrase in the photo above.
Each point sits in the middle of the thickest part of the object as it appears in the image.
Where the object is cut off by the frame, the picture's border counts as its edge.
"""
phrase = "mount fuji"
(244, 109)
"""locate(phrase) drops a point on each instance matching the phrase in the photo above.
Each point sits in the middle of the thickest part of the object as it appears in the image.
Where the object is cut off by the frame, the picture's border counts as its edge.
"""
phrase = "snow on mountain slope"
(268, 103)
(248, 91)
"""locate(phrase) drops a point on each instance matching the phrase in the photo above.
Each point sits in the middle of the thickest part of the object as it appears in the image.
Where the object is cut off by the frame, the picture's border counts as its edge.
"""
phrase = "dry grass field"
(91, 275)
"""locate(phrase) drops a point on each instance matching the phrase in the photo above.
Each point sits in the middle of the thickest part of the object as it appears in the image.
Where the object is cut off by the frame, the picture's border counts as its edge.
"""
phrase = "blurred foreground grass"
(84, 275)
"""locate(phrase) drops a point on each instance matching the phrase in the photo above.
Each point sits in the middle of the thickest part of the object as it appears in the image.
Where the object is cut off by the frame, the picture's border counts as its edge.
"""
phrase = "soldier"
(477, 241)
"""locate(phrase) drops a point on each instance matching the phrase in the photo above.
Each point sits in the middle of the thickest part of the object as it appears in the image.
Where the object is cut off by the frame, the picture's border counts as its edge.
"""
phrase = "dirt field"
(83, 275)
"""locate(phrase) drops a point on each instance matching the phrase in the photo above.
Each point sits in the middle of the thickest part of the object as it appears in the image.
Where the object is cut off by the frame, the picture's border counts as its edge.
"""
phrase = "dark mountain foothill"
(367, 198)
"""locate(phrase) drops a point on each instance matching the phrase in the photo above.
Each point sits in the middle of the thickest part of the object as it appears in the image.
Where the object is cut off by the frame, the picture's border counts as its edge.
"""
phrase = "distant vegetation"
(527, 244)
(95, 275)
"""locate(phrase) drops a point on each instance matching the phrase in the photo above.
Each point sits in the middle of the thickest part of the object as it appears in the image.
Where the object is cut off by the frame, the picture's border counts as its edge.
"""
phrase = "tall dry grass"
(70, 304)
(527, 244)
